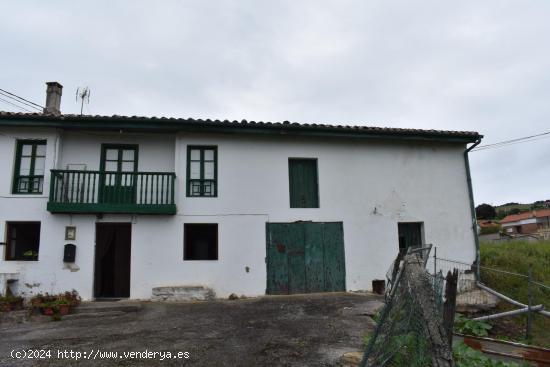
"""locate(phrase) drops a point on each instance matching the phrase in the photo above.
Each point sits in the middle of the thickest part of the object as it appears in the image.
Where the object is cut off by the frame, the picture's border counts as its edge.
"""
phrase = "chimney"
(53, 98)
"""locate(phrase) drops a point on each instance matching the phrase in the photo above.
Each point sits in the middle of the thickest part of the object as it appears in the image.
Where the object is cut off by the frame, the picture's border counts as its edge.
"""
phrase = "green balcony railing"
(75, 191)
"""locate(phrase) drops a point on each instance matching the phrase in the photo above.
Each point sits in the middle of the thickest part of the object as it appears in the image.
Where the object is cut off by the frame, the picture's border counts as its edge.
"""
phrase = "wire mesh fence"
(497, 291)
(410, 329)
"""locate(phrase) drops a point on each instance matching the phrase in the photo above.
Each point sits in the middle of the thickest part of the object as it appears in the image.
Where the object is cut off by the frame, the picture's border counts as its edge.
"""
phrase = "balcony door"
(118, 174)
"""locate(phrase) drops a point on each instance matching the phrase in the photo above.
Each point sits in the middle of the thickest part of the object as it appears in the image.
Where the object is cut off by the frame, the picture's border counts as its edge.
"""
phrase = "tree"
(485, 211)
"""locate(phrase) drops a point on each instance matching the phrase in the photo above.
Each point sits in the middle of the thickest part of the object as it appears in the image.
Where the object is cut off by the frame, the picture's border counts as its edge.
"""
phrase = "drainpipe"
(472, 205)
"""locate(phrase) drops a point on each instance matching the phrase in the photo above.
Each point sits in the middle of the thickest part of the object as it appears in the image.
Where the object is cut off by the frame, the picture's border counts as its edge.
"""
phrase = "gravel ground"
(301, 330)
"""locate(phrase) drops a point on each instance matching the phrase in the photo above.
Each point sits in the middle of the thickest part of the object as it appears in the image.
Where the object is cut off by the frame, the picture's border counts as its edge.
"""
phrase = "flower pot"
(47, 311)
(64, 309)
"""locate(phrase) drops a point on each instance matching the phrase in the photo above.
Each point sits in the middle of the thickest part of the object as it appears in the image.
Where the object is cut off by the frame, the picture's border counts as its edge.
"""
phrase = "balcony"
(73, 191)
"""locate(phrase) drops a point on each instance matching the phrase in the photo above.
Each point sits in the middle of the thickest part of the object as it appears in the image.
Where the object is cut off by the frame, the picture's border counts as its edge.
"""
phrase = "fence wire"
(475, 302)
(410, 331)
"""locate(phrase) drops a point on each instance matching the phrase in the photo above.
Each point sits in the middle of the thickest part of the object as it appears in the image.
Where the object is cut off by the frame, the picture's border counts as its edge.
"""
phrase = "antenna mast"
(84, 95)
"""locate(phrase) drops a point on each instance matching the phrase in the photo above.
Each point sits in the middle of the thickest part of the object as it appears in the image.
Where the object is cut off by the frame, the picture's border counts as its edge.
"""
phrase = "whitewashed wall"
(369, 185)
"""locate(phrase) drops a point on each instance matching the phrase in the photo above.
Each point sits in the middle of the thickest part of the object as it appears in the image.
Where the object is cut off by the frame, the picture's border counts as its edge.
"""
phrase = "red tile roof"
(526, 215)
(171, 124)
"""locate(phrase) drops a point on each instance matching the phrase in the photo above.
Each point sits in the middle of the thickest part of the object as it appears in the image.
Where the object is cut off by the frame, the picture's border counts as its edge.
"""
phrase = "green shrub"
(464, 356)
(464, 325)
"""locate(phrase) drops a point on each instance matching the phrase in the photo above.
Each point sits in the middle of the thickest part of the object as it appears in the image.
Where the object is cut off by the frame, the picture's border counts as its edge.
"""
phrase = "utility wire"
(513, 141)
(19, 99)
(12, 99)
(13, 104)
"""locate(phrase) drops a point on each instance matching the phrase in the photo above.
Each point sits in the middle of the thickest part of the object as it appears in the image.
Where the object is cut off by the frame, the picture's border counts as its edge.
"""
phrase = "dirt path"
(305, 330)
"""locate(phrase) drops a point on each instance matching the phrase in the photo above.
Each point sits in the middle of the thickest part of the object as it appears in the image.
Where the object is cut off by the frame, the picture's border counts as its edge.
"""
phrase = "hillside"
(514, 208)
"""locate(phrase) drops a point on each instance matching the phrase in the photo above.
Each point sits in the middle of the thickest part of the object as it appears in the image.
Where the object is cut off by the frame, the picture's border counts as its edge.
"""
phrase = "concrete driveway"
(302, 330)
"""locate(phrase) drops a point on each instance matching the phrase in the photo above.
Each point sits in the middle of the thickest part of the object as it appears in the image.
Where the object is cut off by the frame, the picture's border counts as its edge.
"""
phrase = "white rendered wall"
(368, 185)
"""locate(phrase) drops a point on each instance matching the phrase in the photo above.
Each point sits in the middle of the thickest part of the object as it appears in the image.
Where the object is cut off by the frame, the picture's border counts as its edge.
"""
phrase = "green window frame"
(202, 171)
(30, 161)
(303, 183)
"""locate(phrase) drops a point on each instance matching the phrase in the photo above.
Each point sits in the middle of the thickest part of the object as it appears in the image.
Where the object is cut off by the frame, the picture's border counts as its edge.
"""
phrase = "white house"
(114, 206)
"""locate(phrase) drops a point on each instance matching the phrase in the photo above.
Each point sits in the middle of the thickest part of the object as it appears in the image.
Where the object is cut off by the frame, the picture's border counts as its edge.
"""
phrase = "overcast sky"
(461, 65)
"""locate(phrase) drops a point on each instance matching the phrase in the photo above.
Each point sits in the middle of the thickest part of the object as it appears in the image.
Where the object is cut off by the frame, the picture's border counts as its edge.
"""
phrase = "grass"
(517, 257)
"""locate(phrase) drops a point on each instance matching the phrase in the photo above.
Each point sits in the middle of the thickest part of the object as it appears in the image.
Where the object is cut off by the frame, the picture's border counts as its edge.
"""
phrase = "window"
(23, 241)
(200, 241)
(30, 157)
(304, 190)
(202, 171)
(410, 235)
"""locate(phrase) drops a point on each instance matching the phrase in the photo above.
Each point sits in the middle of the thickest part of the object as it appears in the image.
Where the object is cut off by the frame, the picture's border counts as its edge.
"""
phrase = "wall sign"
(70, 233)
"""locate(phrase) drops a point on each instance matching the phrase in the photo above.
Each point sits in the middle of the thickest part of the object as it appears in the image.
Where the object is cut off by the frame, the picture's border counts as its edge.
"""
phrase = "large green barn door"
(305, 257)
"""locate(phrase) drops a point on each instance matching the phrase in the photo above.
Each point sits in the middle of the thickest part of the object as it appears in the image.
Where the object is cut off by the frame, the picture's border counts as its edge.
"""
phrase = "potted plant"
(48, 308)
(30, 255)
(11, 303)
(72, 297)
(62, 307)
(35, 303)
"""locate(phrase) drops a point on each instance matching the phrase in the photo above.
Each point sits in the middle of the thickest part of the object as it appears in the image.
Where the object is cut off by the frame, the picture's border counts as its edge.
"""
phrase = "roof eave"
(165, 125)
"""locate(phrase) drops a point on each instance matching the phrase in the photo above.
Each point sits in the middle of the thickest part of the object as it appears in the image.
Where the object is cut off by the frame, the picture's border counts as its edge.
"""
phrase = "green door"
(118, 174)
(305, 257)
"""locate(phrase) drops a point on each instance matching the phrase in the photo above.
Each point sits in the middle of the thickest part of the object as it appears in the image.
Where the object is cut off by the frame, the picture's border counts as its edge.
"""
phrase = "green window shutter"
(303, 183)
(30, 159)
(202, 171)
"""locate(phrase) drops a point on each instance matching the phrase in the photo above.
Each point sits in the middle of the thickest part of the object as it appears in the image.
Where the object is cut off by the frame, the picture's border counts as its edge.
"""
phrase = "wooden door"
(112, 260)
(118, 174)
(305, 257)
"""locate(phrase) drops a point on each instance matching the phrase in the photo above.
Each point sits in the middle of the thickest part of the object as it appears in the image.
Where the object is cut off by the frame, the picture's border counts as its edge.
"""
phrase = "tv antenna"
(84, 95)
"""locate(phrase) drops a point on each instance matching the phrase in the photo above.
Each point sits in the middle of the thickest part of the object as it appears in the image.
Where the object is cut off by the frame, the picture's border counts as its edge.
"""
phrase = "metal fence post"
(435, 261)
(529, 304)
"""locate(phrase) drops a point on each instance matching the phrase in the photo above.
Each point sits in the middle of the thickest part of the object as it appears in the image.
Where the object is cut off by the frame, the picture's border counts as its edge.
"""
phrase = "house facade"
(526, 223)
(116, 206)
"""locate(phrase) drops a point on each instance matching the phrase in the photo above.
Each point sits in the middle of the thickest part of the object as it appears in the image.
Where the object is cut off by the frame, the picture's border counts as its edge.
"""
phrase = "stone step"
(103, 307)
(183, 293)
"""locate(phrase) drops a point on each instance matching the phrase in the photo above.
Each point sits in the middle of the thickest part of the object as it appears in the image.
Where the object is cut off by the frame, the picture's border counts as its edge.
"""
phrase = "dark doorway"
(410, 235)
(112, 260)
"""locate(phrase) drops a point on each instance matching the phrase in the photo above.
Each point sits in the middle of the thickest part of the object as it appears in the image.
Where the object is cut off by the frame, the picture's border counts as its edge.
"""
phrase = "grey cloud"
(466, 65)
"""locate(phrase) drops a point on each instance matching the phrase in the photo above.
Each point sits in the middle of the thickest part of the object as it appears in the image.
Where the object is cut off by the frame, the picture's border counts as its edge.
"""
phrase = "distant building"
(526, 223)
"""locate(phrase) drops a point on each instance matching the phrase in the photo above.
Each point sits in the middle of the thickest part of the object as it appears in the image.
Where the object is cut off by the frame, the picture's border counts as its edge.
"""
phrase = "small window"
(410, 235)
(202, 171)
(30, 158)
(303, 183)
(23, 241)
(200, 241)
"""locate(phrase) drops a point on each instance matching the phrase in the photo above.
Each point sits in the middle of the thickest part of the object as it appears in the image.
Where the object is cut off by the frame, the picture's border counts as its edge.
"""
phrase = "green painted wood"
(31, 176)
(335, 260)
(315, 256)
(83, 208)
(277, 263)
(202, 181)
(295, 243)
(74, 191)
(305, 257)
(303, 183)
